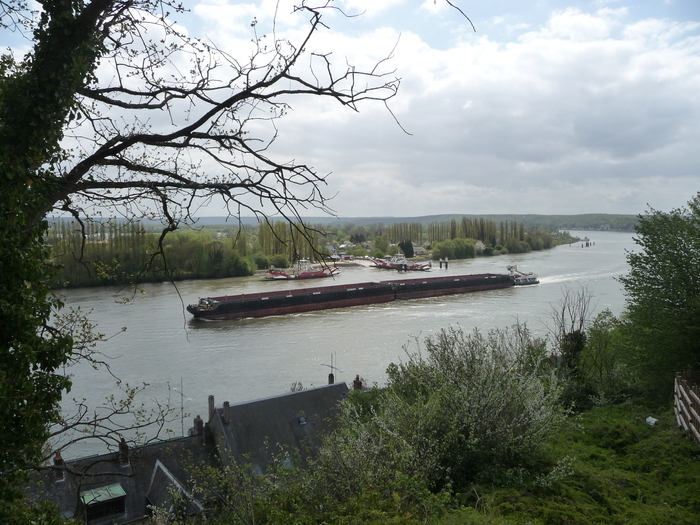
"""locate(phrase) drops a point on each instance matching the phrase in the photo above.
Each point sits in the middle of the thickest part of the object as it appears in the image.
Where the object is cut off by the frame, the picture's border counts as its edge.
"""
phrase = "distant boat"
(522, 278)
(399, 262)
(302, 270)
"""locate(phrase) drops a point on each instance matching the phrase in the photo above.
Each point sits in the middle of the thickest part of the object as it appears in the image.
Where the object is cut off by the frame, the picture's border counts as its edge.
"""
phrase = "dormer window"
(104, 501)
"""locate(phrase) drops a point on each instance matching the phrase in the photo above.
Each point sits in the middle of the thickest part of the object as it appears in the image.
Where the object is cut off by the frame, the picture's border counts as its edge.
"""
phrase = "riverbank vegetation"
(113, 252)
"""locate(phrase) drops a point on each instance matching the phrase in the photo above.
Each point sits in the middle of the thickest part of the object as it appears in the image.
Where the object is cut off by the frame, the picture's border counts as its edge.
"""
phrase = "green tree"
(381, 244)
(442, 250)
(56, 95)
(407, 248)
(464, 404)
(663, 295)
(464, 249)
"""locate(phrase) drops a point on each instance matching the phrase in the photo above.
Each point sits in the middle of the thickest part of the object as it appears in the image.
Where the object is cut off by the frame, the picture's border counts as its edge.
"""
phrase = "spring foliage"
(462, 404)
(663, 295)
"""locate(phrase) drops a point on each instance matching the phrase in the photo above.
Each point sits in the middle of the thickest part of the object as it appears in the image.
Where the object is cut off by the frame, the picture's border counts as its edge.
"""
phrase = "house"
(120, 487)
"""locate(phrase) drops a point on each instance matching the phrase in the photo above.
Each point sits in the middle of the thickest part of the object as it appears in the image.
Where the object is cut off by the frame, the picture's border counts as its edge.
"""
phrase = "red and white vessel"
(303, 270)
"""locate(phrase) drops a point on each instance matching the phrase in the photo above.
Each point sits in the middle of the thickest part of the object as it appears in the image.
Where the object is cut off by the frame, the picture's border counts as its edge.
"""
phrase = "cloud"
(369, 8)
(581, 112)
(585, 105)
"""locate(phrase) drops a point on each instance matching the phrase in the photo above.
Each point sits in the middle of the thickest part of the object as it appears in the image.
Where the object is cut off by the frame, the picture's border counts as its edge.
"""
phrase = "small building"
(120, 487)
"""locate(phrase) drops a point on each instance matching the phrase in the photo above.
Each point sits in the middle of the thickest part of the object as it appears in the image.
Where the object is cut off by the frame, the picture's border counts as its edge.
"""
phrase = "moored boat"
(400, 263)
(303, 270)
(340, 296)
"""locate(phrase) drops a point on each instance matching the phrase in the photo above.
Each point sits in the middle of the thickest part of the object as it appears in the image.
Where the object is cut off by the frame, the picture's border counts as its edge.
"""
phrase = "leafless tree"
(170, 123)
(570, 317)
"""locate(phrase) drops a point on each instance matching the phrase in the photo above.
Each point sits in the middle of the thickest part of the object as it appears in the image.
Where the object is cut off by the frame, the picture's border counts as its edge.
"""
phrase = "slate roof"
(143, 481)
(295, 420)
(249, 431)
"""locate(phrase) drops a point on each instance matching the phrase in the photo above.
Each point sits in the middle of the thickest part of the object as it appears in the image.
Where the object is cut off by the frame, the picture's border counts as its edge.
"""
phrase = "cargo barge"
(340, 296)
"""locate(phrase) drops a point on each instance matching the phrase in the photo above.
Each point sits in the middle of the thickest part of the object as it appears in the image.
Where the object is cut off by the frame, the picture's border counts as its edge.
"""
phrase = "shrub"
(279, 261)
(262, 262)
(445, 249)
(472, 403)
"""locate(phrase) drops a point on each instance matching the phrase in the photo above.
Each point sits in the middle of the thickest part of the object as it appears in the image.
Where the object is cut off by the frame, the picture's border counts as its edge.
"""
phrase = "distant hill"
(589, 221)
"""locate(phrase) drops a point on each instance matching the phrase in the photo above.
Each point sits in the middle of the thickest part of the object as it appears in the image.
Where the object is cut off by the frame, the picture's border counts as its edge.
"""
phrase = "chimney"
(212, 407)
(357, 383)
(59, 465)
(331, 378)
(227, 412)
(198, 426)
(123, 453)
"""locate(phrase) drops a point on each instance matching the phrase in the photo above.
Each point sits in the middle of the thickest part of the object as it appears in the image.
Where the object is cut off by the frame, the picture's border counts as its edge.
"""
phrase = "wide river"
(256, 358)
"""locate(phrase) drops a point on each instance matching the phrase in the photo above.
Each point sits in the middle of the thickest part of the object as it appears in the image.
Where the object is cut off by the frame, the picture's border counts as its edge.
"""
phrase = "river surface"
(255, 358)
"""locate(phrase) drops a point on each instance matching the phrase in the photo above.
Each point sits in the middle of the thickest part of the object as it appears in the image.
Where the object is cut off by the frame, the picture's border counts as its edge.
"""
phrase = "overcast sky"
(549, 107)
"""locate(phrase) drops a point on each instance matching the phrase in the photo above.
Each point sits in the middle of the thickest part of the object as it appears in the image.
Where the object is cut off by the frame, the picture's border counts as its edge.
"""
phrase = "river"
(255, 358)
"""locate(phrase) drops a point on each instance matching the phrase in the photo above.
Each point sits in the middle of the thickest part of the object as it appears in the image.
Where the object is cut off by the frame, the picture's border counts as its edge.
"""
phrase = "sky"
(545, 107)
(549, 107)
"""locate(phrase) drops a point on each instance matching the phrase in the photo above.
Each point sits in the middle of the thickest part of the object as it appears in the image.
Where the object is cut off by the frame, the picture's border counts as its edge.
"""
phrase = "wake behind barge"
(341, 296)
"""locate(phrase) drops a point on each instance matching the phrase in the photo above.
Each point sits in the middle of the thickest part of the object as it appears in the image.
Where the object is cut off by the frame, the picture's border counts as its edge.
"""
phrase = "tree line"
(97, 253)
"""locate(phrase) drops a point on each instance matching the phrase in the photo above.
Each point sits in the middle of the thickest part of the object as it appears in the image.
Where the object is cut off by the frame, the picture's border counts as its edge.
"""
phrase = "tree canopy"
(663, 294)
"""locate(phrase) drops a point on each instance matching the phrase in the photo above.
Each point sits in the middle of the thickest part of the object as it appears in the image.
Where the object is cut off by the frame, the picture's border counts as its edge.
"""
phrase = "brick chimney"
(59, 466)
(357, 383)
(123, 453)
(212, 407)
(198, 426)
(227, 412)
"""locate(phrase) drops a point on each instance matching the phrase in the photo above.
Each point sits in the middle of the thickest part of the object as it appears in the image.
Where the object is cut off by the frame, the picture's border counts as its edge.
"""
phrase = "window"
(103, 501)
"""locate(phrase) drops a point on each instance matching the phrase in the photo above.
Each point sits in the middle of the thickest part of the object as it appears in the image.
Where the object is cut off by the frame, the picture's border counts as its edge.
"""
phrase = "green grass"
(621, 470)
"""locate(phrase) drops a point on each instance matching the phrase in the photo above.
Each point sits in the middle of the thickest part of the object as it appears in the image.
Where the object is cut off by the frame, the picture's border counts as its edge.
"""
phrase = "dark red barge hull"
(435, 286)
(341, 296)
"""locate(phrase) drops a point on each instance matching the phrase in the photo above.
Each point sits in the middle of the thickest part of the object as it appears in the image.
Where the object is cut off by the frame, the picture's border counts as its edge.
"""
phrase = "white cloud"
(568, 109)
(369, 8)
(584, 112)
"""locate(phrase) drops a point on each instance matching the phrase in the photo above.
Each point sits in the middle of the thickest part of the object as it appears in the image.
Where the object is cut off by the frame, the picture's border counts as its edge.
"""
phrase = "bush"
(473, 403)
(442, 250)
(262, 262)
(515, 246)
(279, 261)
(602, 368)
(464, 249)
